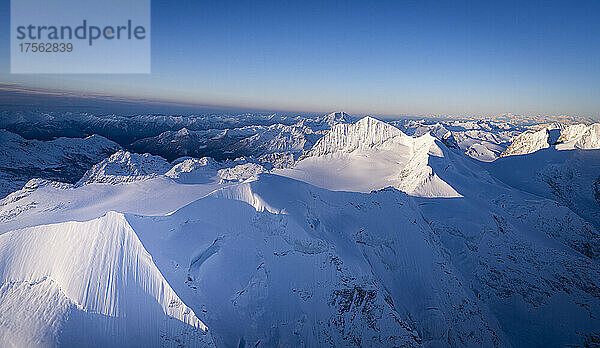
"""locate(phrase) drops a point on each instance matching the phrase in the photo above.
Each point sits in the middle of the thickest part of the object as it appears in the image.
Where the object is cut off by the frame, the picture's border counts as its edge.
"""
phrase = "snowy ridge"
(438, 131)
(245, 140)
(590, 139)
(245, 193)
(572, 132)
(482, 140)
(223, 144)
(418, 177)
(187, 165)
(102, 268)
(386, 235)
(123, 167)
(480, 152)
(578, 136)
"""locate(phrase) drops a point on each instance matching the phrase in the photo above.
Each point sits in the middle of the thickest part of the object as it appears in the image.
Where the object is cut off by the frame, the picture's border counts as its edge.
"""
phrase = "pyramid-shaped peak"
(373, 125)
(367, 132)
(372, 120)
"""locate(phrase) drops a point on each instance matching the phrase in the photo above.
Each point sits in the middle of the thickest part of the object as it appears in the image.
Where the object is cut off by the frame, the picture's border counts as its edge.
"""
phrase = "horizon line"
(121, 103)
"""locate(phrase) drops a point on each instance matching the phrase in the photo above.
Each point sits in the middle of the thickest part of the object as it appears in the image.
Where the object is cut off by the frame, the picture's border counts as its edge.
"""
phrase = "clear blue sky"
(375, 57)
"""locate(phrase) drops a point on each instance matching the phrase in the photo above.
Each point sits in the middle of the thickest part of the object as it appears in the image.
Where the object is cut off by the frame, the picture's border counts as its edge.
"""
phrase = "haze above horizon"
(380, 58)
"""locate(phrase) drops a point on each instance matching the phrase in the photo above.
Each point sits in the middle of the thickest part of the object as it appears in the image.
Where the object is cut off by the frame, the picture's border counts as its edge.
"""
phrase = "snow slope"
(279, 262)
(571, 177)
(88, 283)
(531, 259)
(385, 268)
(230, 232)
(43, 202)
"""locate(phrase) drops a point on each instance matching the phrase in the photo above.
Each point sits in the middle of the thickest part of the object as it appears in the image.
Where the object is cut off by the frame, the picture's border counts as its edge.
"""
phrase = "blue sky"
(368, 57)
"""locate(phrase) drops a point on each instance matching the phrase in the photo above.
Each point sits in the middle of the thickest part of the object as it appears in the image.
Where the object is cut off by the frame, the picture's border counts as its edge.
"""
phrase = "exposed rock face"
(528, 142)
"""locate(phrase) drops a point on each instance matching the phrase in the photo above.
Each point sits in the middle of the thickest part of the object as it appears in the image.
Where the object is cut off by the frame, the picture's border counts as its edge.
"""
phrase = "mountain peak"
(124, 166)
(337, 115)
(183, 132)
(365, 133)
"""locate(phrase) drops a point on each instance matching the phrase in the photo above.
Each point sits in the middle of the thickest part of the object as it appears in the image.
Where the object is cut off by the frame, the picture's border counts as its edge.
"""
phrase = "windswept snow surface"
(88, 283)
(280, 262)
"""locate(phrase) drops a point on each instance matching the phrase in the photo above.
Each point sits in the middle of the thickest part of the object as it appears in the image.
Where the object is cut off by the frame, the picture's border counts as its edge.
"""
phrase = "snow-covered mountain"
(88, 283)
(366, 133)
(482, 140)
(528, 142)
(219, 136)
(370, 155)
(124, 166)
(331, 232)
(571, 177)
(126, 129)
(250, 233)
(229, 143)
(194, 170)
(63, 159)
(580, 136)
